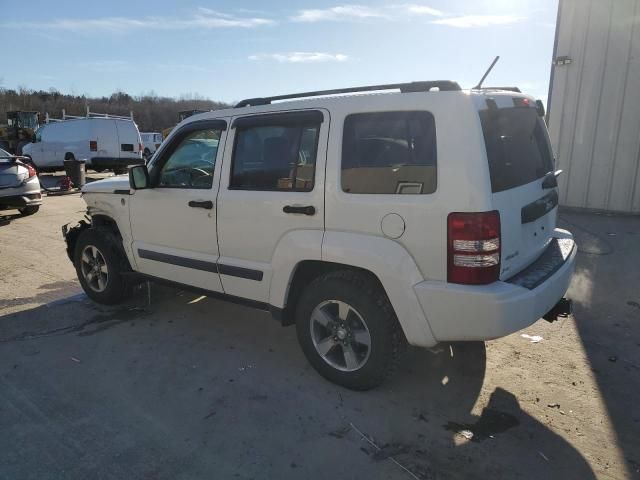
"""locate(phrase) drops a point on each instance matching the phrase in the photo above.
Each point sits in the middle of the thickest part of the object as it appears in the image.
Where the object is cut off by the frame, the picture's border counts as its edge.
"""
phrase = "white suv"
(368, 221)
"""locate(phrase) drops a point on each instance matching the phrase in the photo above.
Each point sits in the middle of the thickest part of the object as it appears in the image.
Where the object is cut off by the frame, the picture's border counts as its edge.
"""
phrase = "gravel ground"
(192, 387)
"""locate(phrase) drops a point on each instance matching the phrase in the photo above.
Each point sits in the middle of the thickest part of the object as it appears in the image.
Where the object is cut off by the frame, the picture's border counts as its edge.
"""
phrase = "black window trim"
(342, 190)
(166, 150)
(297, 118)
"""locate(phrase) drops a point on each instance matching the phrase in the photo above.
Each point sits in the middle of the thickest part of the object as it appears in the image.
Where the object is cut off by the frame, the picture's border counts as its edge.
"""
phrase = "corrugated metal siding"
(594, 110)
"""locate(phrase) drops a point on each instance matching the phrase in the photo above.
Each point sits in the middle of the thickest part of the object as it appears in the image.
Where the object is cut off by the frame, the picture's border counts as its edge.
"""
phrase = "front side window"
(389, 153)
(280, 158)
(192, 162)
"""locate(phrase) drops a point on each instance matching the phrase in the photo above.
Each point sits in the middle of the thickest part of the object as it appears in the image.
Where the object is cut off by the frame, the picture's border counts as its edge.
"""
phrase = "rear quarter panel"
(462, 178)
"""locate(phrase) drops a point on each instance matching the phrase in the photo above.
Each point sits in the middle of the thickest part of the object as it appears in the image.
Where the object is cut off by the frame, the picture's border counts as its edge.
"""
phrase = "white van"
(150, 143)
(105, 143)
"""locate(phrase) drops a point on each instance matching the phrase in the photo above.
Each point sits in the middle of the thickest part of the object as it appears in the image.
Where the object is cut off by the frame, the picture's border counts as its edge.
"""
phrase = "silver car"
(19, 185)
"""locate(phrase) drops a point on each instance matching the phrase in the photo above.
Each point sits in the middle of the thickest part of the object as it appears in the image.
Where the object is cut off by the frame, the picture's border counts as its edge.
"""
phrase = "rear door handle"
(305, 210)
(207, 204)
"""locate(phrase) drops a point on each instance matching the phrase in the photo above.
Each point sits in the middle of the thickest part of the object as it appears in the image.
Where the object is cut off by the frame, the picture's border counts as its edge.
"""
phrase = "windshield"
(26, 120)
(518, 148)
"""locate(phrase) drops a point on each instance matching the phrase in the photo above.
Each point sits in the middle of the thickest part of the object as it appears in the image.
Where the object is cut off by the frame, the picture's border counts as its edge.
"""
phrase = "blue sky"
(228, 50)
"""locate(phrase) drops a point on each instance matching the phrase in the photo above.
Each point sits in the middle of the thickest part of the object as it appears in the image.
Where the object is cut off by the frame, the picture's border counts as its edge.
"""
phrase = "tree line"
(151, 112)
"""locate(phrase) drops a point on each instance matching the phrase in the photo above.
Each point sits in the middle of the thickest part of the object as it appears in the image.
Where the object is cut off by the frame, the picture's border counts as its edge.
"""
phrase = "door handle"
(306, 210)
(207, 204)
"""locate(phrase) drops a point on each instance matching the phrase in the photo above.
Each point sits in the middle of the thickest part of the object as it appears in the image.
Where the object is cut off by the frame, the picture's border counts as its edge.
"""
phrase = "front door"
(174, 222)
(271, 200)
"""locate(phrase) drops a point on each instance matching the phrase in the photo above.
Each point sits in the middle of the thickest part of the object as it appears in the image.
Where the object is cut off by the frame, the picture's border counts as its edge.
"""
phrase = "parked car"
(150, 143)
(105, 143)
(19, 185)
(368, 221)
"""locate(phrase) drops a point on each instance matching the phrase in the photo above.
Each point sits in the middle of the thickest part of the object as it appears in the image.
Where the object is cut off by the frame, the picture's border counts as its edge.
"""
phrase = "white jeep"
(369, 221)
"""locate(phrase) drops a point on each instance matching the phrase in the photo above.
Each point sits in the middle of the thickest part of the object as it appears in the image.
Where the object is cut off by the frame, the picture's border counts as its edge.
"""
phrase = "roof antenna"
(479, 86)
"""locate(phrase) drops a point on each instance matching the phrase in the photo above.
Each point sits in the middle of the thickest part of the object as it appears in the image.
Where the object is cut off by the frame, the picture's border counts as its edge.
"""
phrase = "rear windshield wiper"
(551, 179)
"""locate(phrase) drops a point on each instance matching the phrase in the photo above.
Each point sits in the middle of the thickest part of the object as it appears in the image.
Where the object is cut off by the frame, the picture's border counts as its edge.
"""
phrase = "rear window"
(389, 153)
(517, 145)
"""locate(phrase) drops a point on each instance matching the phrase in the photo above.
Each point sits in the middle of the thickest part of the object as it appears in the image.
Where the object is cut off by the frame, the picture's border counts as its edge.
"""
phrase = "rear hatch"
(11, 174)
(519, 156)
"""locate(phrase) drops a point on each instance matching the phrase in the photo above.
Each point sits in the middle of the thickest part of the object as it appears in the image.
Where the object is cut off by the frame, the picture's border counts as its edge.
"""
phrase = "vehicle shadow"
(190, 387)
(607, 311)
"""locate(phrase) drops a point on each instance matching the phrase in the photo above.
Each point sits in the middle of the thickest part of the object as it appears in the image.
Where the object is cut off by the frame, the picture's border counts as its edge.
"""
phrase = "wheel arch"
(384, 260)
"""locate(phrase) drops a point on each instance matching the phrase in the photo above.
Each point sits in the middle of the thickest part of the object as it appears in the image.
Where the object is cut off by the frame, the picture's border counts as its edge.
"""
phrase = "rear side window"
(517, 145)
(275, 157)
(389, 153)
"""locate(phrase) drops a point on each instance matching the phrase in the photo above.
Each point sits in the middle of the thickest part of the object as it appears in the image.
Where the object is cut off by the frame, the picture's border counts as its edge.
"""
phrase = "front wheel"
(348, 331)
(99, 263)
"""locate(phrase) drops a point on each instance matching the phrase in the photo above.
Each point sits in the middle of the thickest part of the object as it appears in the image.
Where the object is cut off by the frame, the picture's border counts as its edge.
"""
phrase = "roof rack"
(442, 85)
(509, 89)
(90, 114)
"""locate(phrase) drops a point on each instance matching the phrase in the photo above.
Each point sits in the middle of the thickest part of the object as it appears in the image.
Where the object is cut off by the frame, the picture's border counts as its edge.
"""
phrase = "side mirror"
(540, 108)
(139, 177)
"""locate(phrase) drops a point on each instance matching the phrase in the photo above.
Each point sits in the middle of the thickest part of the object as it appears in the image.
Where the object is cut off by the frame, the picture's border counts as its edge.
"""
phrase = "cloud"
(351, 12)
(301, 57)
(470, 21)
(203, 18)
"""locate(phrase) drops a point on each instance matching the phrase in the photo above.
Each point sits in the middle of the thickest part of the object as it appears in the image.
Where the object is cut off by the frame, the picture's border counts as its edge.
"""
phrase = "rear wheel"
(99, 263)
(348, 330)
(29, 210)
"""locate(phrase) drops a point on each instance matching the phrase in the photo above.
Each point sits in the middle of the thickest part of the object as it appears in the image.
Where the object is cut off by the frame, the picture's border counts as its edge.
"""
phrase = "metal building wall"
(594, 104)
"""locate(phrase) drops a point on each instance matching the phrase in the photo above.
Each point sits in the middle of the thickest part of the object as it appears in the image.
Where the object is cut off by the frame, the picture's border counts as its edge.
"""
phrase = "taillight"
(93, 145)
(31, 170)
(473, 247)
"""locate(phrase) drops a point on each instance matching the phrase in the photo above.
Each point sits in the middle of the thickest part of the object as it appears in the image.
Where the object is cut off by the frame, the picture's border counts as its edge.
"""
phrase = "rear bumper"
(468, 312)
(22, 196)
(20, 201)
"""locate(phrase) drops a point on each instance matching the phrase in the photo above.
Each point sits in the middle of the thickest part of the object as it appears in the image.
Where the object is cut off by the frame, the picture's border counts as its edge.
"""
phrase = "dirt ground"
(191, 387)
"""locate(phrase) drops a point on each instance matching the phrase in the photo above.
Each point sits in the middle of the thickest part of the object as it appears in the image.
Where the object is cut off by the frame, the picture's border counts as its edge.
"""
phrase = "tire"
(120, 170)
(114, 288)
(147, 154)
(367, 306)
(29, 210)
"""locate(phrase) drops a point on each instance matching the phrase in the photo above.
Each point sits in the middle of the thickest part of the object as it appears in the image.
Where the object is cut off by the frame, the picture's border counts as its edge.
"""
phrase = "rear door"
(519, 156)
(128, 139)
(272, 185)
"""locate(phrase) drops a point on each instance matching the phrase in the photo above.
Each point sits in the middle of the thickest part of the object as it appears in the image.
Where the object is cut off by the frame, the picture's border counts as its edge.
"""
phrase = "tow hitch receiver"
(563, 309)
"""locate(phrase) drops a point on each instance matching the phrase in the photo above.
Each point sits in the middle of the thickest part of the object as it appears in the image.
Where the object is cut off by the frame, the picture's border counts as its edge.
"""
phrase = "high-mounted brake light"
(93, 145)
(473, 247)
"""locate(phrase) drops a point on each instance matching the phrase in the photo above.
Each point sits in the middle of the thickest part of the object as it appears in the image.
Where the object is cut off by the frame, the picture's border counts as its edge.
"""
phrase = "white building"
(594, 104)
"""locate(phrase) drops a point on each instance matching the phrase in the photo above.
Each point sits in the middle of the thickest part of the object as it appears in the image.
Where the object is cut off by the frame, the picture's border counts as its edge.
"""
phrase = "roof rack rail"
(509, 89)
(442, 85)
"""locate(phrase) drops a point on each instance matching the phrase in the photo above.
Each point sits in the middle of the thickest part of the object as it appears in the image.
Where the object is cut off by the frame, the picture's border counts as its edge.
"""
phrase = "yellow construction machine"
(181, 116)
(19, 130)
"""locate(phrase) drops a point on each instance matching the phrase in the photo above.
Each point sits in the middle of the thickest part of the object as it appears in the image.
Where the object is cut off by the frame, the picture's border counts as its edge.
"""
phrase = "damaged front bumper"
(70, 235)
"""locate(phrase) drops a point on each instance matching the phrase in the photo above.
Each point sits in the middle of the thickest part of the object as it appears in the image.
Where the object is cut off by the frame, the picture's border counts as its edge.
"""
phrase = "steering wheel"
(203, 176)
